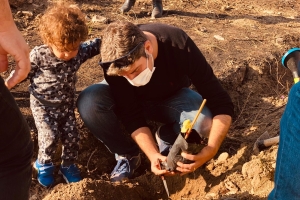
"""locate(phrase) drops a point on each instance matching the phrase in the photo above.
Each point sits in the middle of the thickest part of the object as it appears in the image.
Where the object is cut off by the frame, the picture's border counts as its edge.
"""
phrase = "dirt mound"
(243, 41)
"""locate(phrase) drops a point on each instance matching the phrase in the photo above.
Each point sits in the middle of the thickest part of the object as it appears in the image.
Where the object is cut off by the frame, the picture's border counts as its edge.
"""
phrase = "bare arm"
(13, 43)
(5, 13)
(219, 129)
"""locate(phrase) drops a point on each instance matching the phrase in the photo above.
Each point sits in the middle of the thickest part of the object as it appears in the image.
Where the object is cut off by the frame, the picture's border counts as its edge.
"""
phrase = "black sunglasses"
(120, 62)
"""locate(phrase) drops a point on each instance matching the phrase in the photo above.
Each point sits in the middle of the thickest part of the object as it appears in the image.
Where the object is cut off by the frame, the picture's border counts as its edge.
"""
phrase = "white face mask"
(144, 77)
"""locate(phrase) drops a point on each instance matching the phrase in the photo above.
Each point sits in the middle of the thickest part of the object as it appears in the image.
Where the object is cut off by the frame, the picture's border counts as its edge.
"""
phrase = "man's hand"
(156, 166)
(13, 43)
(217, 134)
(202, 157)
(143, 137)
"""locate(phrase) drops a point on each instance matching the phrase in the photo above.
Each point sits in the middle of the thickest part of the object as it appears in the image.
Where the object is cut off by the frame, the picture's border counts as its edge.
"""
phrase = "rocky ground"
(243, 41)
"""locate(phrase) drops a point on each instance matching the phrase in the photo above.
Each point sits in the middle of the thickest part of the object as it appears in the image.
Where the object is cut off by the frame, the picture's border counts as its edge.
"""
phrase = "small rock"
(91, 191)
(226, 8)
(218, 37)
(222, 157)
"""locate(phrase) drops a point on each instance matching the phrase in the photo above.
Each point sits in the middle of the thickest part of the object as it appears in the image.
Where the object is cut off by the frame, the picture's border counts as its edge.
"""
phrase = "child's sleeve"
(90, 49)
(34, 62)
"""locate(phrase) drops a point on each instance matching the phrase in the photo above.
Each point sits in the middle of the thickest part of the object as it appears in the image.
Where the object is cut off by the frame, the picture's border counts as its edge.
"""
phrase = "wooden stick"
(195, 119)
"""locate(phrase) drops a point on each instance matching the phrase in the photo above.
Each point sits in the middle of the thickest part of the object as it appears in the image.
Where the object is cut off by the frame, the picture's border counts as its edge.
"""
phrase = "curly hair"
(62, 25)
(118, 39)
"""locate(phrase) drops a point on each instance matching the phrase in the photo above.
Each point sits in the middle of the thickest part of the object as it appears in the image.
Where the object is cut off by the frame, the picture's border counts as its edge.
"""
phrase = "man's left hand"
(199, 159)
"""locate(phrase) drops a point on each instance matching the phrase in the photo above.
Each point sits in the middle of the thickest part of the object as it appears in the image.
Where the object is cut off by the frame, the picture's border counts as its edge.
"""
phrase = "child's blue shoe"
(71, 174)
(45, 173)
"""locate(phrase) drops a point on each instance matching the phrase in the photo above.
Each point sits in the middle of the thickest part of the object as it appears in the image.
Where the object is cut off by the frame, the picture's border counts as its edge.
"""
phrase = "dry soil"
(243, 41)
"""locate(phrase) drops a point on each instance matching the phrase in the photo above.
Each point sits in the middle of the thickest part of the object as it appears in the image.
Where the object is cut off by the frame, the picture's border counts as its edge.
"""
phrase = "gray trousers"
(55, 123)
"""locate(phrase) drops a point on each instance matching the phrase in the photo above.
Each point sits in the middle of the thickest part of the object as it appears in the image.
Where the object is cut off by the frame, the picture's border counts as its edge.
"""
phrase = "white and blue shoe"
(45, 173)
(71, 174)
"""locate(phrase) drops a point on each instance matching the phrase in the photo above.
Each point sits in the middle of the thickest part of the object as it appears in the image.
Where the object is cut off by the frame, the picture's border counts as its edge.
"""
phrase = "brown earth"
(243, 41)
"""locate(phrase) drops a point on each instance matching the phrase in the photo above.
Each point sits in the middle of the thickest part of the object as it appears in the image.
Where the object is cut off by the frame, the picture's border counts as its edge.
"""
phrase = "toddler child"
(52, 88)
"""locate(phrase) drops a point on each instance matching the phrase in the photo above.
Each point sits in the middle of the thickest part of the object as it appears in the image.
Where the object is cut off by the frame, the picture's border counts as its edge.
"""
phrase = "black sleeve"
(128, 109)
(205, 81)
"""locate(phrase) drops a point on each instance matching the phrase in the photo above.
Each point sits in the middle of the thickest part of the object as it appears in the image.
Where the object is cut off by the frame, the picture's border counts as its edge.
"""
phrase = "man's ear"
(148, 47)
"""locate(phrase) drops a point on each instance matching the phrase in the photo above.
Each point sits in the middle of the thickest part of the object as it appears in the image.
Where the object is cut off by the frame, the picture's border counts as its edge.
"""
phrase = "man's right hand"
(13, 43)
(156, 165)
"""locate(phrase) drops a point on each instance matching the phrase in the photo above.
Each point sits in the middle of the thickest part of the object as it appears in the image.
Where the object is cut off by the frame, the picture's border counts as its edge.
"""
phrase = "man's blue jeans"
(96, 107)
(287, 172)
(16, 149)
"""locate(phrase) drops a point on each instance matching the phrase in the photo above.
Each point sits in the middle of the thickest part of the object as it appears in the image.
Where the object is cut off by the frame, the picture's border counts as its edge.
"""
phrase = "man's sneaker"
(71, 174)
(45, 173)
(125, 167)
